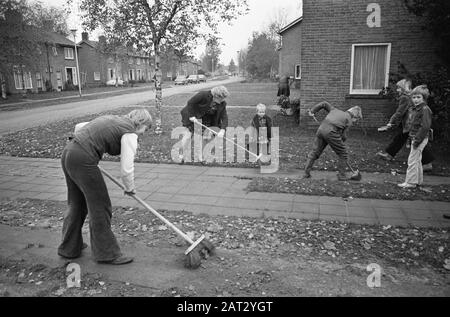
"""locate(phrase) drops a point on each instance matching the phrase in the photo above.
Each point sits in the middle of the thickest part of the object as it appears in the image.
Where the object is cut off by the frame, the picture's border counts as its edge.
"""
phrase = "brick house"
(344, 52)
(54, 67)
(99, 66)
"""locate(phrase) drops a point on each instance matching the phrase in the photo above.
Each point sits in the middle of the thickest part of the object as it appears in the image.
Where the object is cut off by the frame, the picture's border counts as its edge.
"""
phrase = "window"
(55, 51)
(110, 60)
(139, 74)
(96, 75)
(369, 68)
(68, 52)
(138, 61)
(20, 78)
(38, 80)
(298, 72)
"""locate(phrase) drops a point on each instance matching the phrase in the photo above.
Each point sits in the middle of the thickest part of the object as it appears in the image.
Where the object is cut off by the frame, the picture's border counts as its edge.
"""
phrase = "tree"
(51, 19)
(262, 57)
(150, 23)
(232, 67)
(210, 58)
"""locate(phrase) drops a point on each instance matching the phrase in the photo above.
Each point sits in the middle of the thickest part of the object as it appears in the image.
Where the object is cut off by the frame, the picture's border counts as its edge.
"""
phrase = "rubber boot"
(342, 176)
(308, 168)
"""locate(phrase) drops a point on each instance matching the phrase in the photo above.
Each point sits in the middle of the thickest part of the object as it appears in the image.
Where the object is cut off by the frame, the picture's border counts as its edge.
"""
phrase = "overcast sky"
(235, 36)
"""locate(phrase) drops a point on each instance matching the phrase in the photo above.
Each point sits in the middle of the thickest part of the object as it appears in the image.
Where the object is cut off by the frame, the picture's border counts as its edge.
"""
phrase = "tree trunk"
(158, 89)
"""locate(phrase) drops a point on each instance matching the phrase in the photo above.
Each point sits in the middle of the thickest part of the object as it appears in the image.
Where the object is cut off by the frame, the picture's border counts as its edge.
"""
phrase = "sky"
(235, 36)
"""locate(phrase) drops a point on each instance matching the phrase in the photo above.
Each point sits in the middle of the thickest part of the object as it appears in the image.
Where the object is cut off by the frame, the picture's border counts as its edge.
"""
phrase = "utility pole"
(74, 32)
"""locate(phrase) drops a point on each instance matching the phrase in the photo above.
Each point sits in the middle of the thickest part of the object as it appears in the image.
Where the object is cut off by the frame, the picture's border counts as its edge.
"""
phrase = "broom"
(197, 249)
(232, 141)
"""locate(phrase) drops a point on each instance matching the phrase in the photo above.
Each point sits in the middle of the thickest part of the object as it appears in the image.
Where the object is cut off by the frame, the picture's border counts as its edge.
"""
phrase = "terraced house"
(101, 63)
(345, 51)
(38, 60)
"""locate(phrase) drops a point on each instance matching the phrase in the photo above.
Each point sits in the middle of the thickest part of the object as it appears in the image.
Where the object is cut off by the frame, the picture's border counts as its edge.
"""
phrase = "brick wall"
(290, 50)
(328, 30)
(91, 61)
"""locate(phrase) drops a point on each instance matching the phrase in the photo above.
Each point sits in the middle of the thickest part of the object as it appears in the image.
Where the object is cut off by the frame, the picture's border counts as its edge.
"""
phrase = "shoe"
(385, 156)
(118, 261)
(446, 216)
(306, 176)
(427, 167)
(406, 185)
(84, 246)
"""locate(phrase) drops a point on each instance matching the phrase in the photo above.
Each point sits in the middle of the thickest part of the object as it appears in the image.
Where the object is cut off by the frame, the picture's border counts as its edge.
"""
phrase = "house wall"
(56, 62)
(328, 30)
(91, 61)
(290, 50)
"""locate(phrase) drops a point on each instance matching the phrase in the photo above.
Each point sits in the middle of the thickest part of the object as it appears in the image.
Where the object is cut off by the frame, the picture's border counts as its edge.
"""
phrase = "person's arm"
(79, 126)
(397, 117)
(223, 120)
(321, 105)
(128, 147)
(424, 129)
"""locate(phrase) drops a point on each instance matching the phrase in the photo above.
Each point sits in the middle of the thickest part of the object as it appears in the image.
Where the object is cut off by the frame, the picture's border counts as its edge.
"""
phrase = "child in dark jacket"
(262, 120)
(419, 123)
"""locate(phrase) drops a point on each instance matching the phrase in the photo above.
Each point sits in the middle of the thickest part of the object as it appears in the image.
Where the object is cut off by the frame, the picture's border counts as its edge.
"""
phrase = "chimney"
(102, 39)
(85, 36)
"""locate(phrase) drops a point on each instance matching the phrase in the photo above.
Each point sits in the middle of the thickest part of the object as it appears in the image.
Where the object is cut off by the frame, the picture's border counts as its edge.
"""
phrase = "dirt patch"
(256, 256)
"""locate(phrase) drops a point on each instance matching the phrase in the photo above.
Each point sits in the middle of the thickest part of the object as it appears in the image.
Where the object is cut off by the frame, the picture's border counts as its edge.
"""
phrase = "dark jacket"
(284, 87)
(202, 106)
(256, 124)
(400, 115)
(420, 123)
(336, 121)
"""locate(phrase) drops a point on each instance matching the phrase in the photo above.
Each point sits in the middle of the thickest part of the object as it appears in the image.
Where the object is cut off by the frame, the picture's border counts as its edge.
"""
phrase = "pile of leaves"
(369, 189)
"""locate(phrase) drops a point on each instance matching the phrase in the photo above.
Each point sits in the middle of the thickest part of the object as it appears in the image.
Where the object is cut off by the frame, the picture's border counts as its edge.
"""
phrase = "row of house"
(55, 69)
(344, 52)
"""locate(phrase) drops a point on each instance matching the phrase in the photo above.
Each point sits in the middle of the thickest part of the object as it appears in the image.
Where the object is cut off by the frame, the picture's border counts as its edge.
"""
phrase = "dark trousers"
(86, 194)
(400, 140)
(332, 138)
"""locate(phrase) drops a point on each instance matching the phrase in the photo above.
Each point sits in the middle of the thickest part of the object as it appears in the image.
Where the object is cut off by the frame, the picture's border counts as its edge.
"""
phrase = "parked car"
(181, 80)
(202, 78)
(112, 82)
(193, 79)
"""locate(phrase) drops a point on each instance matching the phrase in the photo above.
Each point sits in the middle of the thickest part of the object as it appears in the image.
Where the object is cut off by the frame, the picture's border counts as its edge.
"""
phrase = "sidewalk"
(214, 191)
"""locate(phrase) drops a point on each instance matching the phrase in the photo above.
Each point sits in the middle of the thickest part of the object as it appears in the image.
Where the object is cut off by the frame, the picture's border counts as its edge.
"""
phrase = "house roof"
(287, 27)
(56, 38)
(121, 50)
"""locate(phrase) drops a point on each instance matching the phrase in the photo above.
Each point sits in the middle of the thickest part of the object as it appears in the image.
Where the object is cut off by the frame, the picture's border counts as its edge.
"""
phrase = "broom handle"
(229, 140)
(153, 211)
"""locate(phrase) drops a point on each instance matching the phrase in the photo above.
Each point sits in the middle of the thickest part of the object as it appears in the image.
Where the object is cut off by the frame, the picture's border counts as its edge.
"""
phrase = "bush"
(438, 82)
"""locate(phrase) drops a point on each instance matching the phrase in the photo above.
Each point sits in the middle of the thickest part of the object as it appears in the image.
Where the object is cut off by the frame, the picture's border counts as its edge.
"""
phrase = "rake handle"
(229, 140)
(149, 208)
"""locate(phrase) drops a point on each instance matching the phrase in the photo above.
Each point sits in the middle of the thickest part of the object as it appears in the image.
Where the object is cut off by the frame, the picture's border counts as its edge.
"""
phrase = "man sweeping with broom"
(332, 131)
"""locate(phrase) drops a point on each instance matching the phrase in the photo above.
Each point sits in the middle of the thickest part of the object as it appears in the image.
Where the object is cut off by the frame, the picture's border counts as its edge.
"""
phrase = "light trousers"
(414, 173)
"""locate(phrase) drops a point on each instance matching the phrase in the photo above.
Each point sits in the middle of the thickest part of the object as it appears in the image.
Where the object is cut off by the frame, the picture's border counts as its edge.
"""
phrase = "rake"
(197, 249)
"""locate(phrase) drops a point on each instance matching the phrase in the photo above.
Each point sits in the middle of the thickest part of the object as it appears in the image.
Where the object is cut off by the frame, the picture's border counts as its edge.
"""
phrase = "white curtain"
(369, 69)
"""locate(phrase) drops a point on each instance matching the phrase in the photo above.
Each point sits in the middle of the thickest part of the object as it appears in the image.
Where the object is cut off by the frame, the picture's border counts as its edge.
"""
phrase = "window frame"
(386, 71)
(39, 80)
(66, 55)
(97, 78)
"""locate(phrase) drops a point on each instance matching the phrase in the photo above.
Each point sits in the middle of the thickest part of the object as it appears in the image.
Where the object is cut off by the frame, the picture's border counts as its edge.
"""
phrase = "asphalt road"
(13, 121)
